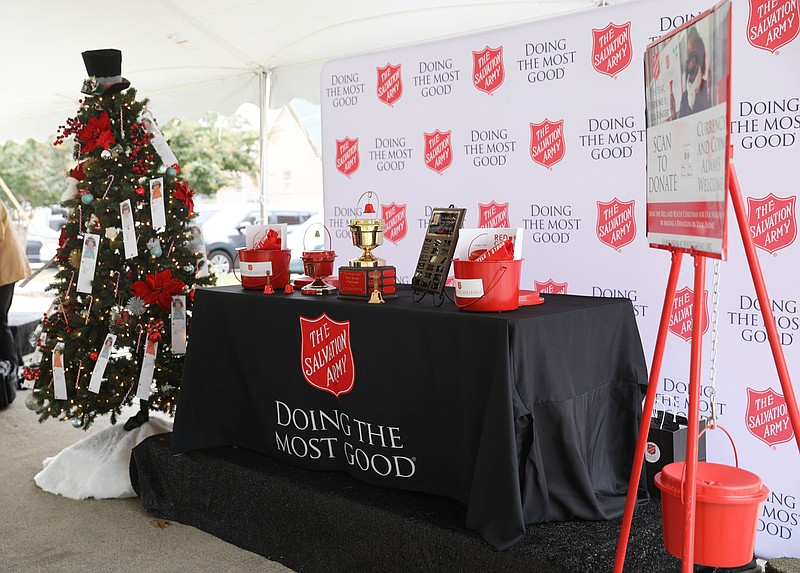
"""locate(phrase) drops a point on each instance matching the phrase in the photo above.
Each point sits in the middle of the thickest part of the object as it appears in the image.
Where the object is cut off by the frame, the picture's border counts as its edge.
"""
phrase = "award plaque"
(367, 273)
(437, 250)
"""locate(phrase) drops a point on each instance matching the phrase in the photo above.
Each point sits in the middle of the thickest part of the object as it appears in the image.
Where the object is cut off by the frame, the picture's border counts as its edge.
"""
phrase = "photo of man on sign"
(688, 136)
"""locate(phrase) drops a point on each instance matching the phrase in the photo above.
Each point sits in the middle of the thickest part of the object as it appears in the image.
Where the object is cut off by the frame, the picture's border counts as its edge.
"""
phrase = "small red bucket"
(255, 264)
(318, 263)
(726, 512)
(487, 286)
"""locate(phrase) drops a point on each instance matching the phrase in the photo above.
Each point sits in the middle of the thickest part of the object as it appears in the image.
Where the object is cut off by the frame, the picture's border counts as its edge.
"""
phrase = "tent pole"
(264, 85)
(302, 127)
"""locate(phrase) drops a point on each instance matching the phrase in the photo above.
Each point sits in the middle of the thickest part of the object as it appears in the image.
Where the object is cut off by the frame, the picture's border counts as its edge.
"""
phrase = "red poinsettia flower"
(96, 133)
(105, 140)
(184, 194)
(158, 288)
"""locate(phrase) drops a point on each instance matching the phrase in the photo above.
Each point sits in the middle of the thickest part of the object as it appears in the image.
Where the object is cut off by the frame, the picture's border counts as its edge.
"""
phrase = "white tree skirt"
(98, 465)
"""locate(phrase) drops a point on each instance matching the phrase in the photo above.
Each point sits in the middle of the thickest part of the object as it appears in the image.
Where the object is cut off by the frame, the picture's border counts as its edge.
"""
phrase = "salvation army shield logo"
(772, 221)
(438, 150)
(772, 25)
(652, 452)
(612, 50)
(390, 84)
(655, 64)
(347, 159)
(767, 417)
(326, 356)
(493, 215)
(396, 225)
(616, 224)
(680, 321)
(547, 142)
(488, 71)
(550, 287)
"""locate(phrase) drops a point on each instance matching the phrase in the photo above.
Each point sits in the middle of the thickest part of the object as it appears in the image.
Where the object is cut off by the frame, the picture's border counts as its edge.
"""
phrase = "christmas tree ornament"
(171, 172)
(122, 316)
(87, 198)
(92, 223)
(155, 248)
(105, 154)
(89, 309)
(77, 423)
(136, 306)
(75, 258)
(189, 268)
(185, 195)
(93, 355)
(33, 402)
(112, 233)
(30, 374)
(34, 336)
(76, 175)
(108, 186)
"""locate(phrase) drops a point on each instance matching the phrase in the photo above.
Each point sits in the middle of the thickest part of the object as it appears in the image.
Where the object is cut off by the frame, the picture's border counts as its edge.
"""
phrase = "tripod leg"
(650, 398)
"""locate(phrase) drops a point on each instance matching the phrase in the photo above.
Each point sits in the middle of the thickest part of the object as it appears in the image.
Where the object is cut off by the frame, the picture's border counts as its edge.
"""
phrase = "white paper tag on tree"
(59, 381)
(99, 369)
(88, 262)
(146, 373)
(178, 324)
(128, 229)
(158, 214)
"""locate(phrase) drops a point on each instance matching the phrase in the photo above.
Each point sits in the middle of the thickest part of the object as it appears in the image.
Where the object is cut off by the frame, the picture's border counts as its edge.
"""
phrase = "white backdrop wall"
(548, 135)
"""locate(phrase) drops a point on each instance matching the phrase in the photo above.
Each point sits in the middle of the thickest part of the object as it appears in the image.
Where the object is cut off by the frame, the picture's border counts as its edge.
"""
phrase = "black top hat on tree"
(105, 72)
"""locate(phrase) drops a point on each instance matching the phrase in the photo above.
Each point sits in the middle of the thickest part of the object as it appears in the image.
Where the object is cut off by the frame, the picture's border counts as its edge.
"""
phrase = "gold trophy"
(367, 234)
(356, 279)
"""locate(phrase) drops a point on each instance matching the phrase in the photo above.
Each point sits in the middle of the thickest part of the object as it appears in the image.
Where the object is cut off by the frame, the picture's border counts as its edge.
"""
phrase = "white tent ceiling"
(194, 56)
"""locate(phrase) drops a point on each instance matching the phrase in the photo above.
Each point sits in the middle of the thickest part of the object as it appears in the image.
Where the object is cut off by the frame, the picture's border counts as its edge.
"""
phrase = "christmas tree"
(128, 263)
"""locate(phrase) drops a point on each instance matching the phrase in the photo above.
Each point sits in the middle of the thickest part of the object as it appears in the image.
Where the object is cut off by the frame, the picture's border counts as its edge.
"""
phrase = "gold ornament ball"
(75, 258)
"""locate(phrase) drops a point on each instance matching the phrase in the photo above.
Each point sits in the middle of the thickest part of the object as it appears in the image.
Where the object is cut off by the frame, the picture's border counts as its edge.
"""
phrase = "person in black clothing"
(696, 95)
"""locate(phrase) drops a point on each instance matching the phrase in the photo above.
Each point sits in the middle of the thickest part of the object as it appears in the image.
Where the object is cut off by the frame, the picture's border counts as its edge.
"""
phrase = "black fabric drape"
(524, 417)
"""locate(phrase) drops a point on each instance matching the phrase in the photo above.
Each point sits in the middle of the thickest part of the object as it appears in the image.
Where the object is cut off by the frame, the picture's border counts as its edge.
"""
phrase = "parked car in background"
(224, 229)
(33, 248)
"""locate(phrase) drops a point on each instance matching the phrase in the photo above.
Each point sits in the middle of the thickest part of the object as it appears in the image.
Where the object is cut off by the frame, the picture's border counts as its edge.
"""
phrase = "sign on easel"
(687, 75)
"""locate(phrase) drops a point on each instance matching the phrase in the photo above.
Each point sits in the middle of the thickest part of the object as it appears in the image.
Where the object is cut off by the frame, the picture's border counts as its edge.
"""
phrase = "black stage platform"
(328, 522)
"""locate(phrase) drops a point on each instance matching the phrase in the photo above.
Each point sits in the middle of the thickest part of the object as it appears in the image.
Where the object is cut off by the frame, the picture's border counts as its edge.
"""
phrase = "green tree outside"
(211, 158)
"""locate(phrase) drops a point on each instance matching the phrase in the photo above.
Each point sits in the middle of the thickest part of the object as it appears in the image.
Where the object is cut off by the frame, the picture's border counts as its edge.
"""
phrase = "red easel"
(694, 379)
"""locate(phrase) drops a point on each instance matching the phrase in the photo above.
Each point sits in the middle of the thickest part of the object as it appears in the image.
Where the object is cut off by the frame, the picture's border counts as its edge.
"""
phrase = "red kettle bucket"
(726, 511)
(255, 264)
(487, 286)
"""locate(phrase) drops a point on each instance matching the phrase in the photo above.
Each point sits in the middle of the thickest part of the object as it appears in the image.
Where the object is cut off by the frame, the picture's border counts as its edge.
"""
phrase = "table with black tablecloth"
(525, 416)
